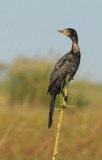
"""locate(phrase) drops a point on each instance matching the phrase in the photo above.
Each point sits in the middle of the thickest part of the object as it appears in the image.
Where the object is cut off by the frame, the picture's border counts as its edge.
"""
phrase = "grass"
(24, 106)
(27, 82)
(25, 135)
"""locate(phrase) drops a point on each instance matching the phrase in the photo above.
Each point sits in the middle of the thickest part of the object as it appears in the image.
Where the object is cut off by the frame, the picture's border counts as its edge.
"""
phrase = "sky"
(27, 27)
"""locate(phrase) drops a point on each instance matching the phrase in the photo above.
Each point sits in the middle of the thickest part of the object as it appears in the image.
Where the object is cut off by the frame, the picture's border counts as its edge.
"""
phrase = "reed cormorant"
(67, 65)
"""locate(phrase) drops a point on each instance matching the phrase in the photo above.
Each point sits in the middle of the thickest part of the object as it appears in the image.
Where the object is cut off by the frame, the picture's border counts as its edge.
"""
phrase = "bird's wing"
(61, 68)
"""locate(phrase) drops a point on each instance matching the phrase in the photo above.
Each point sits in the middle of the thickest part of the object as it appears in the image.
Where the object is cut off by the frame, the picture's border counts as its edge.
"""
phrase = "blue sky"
(30, 26)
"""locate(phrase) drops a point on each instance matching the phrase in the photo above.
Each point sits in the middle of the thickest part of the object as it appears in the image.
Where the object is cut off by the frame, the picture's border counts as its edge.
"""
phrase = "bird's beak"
(64, 32)
(60, 31)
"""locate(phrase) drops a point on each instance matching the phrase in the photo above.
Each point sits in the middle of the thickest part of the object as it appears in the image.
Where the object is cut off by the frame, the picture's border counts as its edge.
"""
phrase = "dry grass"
(24, 116)
(24, 134)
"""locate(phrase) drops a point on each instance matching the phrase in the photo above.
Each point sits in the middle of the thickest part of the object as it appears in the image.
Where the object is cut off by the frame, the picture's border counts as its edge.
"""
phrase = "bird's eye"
(67, 32)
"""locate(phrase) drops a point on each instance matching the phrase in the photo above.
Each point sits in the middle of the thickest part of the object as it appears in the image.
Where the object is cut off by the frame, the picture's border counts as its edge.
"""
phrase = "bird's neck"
(75, 46)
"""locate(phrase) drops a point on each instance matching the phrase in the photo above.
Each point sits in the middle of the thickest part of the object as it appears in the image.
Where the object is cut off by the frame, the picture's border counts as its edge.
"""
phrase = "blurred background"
(29, 48)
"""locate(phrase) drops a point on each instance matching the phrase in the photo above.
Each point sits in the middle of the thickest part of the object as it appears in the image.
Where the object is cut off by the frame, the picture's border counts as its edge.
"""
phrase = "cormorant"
(67, 65)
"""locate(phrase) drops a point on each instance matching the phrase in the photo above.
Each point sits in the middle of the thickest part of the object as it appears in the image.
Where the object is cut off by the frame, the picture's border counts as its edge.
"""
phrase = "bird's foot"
(66, 98)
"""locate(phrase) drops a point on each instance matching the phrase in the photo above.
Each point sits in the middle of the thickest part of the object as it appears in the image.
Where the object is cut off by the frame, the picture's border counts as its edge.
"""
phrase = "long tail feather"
(51, 110)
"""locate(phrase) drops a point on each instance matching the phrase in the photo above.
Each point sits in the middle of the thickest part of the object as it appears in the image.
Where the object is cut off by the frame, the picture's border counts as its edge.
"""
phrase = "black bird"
(67, 65)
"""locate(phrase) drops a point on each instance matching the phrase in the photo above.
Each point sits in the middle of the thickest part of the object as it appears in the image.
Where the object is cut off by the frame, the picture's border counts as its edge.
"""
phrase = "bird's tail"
(51, 110)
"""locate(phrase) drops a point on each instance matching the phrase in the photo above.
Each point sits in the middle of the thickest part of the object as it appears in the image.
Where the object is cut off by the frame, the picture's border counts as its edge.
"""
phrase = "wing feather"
(60, 69)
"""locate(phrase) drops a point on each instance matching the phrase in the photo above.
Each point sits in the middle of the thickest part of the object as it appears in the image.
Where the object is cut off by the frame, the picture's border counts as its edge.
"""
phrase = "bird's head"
(70, 33)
